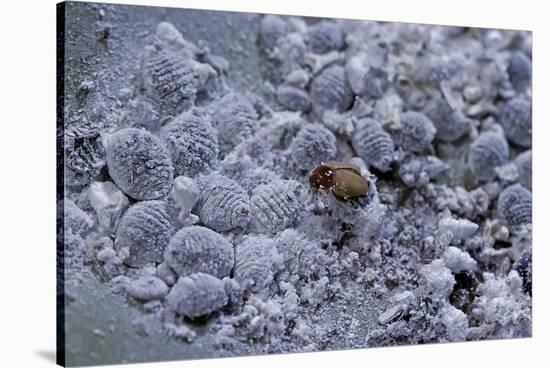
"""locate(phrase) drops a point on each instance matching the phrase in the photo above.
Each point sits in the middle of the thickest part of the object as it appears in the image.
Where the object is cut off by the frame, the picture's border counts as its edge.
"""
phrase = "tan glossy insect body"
(343, 179)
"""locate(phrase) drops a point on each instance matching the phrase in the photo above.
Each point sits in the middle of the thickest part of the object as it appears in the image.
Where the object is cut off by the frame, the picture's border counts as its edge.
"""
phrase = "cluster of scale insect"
(515, 118)
(272, 27)
(312, 145)
(144, 230)
(515, 206)
(248, 194)
(373, 144)
(330, 90)
(275, 206)
(198, 249)
(197, 295)
(293, 98)
(487, 151)
(416, 132)
(223, 204)
(172, 78)
(324, 36)
(254, 263)
(139, 164)
(450, 124)
(193, 143)
(236, 119)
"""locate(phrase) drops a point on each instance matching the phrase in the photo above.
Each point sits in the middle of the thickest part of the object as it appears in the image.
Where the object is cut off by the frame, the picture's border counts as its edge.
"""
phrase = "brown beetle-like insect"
(342, 179)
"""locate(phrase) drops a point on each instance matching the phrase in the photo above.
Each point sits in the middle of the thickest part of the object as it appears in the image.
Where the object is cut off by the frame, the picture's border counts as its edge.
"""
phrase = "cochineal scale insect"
(344, 180)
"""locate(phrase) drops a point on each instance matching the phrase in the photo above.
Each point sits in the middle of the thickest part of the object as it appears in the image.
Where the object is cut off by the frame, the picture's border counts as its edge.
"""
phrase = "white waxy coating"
(108, 202)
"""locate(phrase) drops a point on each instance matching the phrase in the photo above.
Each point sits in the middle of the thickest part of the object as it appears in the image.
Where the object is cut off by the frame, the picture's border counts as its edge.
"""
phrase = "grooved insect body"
(488, 151)
(325, 36)
(254, 266)
(331, 90)
(312, 144)
(236, 120)
(514, 206)
(274, 206)
(515, 118)
(223, 204)
(192, 142)
(197, 295)
(373, 144)
(173, 81)
(342, 179)
(198, 249)
(139, 164)
(272, 27)
(145, 229)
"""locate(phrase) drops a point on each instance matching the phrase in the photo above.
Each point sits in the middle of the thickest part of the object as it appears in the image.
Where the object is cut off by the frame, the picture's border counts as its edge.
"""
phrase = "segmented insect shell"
(198, 249)
(524, 163)
(312, 145)
(223, 204)
(417, 132)
(272, 27)
(85, 153)
(192, 142)
(173, 80)
(236, 119)
(514, 206)
(515, 118)
(197, 295)
(450, 125)
(275, 206)
(331, 90)
(139, 164)
(519, 70)
(325, 36)
(145, 229)
(488, 151)
(254, 266)
(293, 98)
(373, 144)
